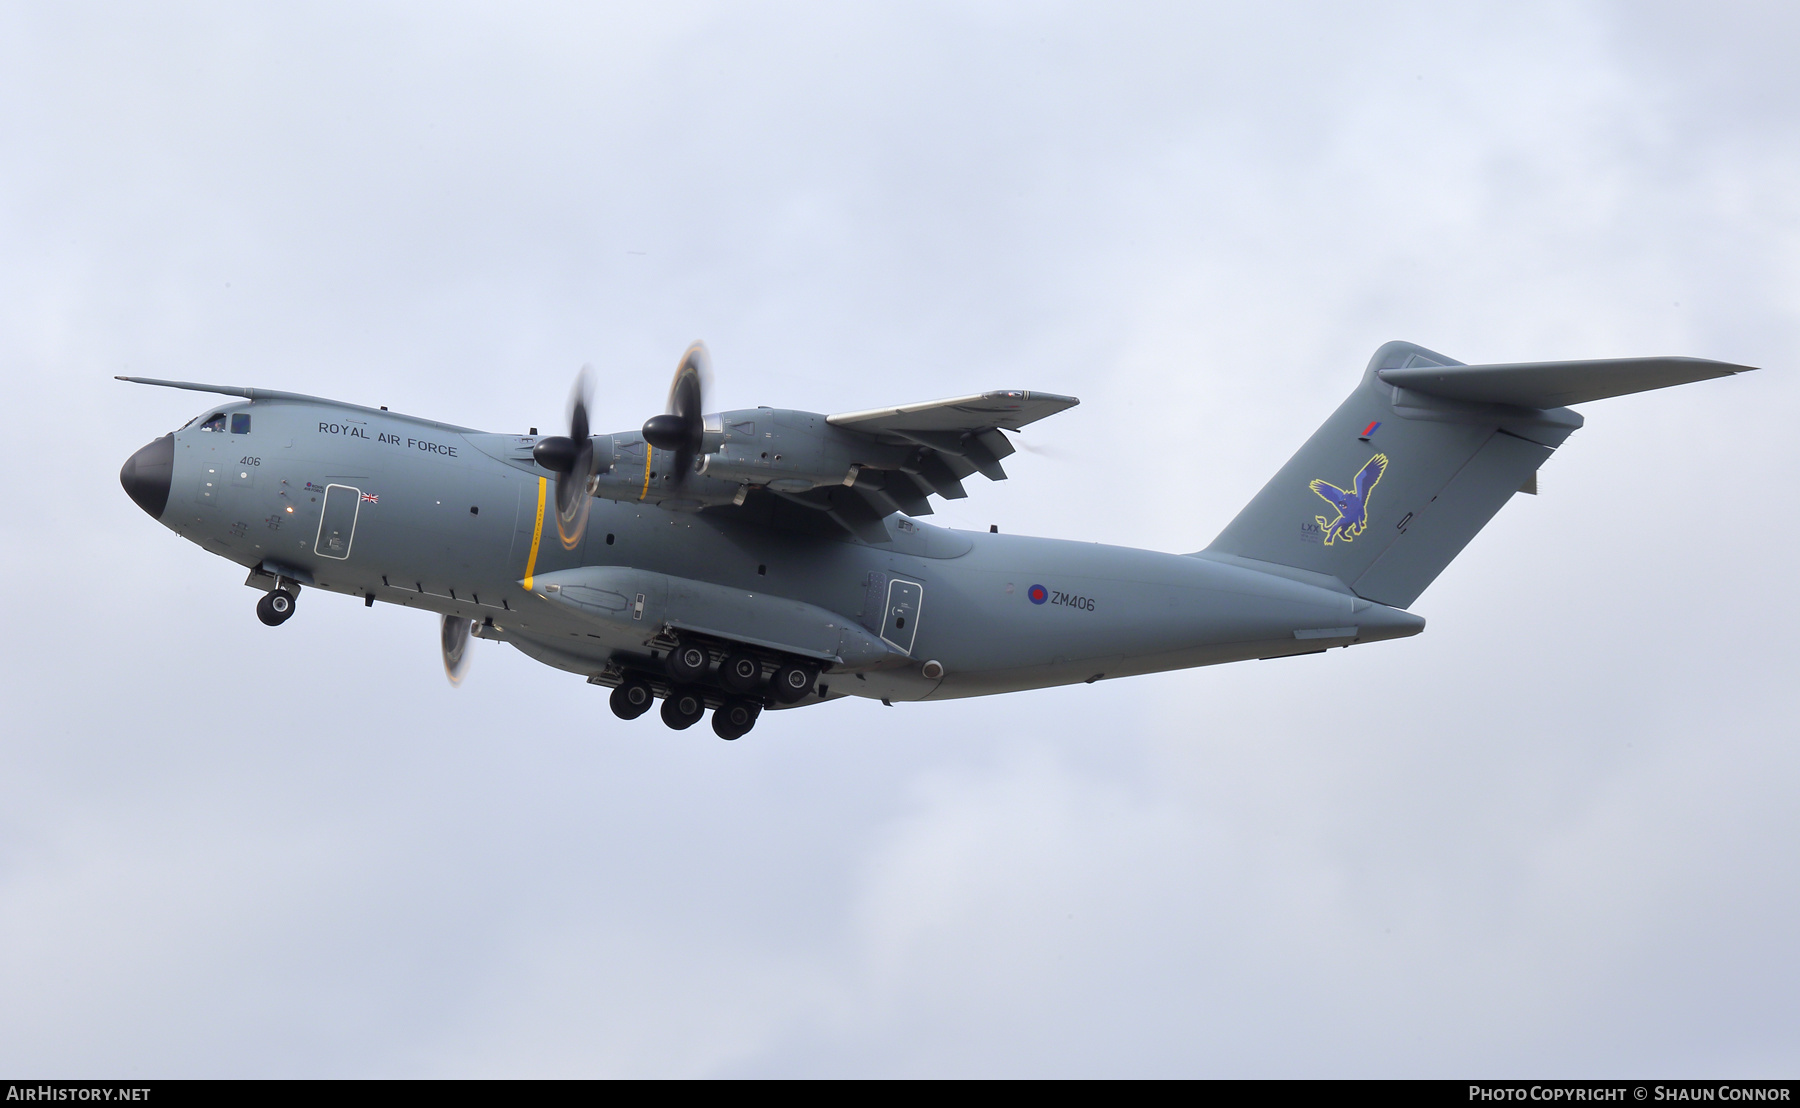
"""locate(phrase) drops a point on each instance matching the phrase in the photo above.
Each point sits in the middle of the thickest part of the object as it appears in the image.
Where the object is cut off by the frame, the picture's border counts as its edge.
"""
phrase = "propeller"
(455, 640)
(571, 458)
(682, 429)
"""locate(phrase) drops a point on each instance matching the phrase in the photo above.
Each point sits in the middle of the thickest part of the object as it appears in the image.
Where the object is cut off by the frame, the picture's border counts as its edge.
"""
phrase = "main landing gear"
(736, 691)
(632, 698)
(792, 682)
(275, 608)
(735, 718)
(683, 707)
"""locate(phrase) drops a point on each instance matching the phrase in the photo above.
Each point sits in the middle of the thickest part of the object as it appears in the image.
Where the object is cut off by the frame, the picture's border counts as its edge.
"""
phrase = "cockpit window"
(240, 423)
(214, 422)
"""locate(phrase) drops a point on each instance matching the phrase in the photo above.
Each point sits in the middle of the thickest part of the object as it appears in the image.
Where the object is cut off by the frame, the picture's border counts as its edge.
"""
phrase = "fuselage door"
(337, 522)
(901, 623)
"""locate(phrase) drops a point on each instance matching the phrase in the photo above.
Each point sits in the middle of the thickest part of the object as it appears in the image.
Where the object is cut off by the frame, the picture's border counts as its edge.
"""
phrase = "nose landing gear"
(275, 608)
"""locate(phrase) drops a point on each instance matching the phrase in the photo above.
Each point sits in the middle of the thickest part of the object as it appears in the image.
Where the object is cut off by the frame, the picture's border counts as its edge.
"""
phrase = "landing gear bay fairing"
(739, 561)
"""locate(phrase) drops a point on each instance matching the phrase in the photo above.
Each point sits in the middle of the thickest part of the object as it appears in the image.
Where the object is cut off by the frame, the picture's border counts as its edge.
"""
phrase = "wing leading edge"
(1008, 411)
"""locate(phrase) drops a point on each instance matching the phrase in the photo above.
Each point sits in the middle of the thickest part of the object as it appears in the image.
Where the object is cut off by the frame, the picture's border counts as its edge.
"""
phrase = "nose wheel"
(275, 608)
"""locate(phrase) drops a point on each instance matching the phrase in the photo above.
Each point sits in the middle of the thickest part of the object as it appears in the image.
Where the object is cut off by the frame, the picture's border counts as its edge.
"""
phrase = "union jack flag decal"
(370, 498)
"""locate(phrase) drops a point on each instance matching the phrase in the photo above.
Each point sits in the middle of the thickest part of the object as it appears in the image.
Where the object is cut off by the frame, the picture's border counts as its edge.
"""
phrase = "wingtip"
(1030, 394)
(1728, 367)
(1714, 363)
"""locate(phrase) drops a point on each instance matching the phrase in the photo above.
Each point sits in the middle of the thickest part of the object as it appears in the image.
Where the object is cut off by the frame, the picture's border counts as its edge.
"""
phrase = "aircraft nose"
(147, 474)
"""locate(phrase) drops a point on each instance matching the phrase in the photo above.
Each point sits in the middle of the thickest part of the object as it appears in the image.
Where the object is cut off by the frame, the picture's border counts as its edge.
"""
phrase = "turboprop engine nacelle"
(779, 470)
(791, 451)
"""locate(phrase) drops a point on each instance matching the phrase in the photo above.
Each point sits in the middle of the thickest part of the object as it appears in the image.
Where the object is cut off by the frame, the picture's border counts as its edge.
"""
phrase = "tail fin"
(1420, 457)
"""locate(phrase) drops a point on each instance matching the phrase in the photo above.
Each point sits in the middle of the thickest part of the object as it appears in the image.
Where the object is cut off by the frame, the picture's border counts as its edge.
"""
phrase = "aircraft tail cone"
(147, 475)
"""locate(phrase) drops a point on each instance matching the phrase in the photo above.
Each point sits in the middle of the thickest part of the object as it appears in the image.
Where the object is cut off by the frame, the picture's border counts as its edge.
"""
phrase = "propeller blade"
(572, 460)
(455, 641)
(693, 379)
(681, 429)
(578, 403)
(572, 499)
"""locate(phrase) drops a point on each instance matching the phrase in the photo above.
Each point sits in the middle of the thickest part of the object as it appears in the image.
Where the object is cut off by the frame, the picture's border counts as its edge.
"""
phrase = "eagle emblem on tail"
(1352, 506)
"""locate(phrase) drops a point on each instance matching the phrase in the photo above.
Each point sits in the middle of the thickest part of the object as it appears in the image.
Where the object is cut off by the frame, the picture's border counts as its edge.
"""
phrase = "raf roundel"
(1038, 594)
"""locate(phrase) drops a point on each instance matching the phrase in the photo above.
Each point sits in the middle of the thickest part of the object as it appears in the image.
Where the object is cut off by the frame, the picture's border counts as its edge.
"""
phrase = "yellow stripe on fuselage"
(537, 535)
(648, 451)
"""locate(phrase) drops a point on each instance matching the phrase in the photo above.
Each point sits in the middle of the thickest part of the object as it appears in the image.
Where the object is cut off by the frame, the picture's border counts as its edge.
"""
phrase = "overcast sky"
(1557, 834)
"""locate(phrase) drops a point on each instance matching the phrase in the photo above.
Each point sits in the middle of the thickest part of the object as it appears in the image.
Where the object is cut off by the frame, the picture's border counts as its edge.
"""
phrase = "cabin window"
(240, 423)
(214, 422)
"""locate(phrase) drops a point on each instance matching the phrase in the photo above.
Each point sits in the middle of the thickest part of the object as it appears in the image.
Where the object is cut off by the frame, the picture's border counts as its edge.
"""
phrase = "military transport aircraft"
(769, 558)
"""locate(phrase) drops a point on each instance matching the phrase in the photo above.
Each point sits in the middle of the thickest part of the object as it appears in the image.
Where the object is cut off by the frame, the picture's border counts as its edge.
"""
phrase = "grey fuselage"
(454, 521)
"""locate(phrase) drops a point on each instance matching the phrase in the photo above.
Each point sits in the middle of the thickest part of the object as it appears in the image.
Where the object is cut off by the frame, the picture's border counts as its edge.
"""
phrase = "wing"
(1369, 474)
(852, 470)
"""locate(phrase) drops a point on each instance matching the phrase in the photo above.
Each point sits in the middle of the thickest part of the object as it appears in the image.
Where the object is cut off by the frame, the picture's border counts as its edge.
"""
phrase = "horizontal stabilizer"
(1555, 384)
